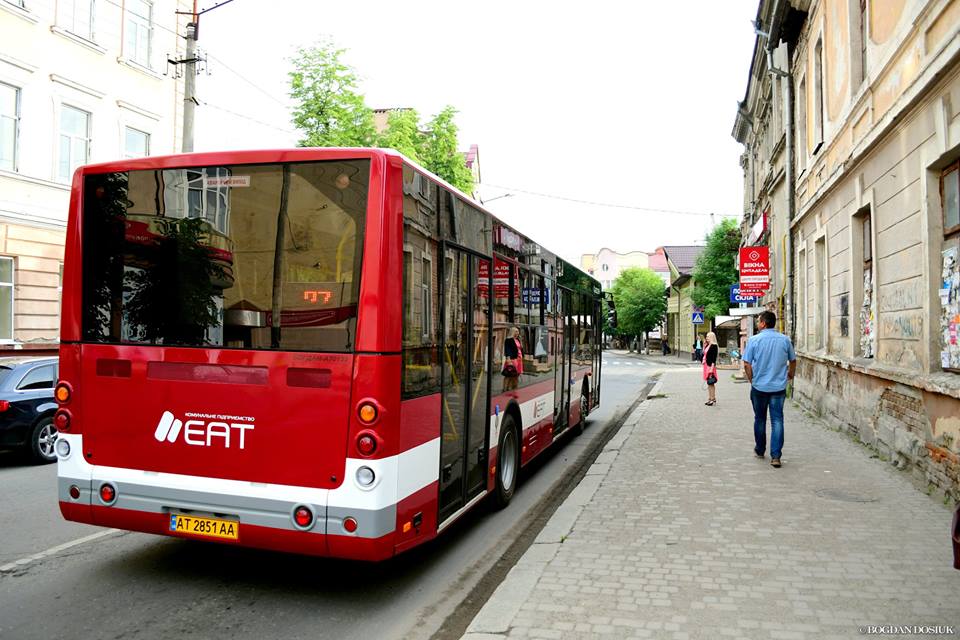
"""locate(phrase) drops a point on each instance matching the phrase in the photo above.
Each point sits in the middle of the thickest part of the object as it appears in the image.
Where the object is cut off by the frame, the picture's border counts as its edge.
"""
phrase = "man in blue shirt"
(769, 362)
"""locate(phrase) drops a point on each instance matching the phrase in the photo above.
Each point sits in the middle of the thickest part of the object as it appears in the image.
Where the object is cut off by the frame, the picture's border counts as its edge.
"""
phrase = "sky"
(627, 103)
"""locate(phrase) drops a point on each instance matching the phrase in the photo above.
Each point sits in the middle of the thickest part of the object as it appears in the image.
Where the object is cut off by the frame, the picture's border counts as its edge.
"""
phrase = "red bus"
(302, 350)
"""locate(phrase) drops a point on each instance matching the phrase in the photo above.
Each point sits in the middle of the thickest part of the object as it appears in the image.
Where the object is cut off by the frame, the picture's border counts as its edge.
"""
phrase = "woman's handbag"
(712, 377)
(509, 369)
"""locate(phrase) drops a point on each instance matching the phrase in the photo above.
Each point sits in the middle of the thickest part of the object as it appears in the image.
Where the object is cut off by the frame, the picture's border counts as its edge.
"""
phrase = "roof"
(12, 361)
(658, 262)
(683, 257)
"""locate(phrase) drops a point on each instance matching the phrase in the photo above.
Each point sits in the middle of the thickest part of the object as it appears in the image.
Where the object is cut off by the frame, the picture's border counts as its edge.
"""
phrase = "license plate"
(207, 527)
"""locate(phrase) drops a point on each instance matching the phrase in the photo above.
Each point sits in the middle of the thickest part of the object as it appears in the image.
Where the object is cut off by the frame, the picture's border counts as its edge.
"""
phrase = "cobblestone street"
(678, 531)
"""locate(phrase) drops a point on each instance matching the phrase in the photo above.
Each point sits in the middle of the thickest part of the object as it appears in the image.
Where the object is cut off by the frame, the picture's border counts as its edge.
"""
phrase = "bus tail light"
(62, 393)
(108, 494)
(367, 412)
(303, 517)
(74, 492)
(366, 443)
(349, 525)
(61, 420)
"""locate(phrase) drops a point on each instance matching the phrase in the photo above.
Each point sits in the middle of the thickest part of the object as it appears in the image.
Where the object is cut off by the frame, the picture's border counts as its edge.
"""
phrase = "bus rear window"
(241, 256)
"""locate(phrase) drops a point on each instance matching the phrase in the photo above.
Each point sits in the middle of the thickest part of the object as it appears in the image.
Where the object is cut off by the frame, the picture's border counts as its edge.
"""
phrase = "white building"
(81, 81)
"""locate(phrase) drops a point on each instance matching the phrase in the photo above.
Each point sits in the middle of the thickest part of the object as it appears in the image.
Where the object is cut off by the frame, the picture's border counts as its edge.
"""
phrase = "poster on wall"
(950, 307)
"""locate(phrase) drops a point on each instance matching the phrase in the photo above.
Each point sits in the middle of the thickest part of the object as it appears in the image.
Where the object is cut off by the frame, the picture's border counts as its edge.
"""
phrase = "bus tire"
(42, 440)
(508, 462)
(584, 410)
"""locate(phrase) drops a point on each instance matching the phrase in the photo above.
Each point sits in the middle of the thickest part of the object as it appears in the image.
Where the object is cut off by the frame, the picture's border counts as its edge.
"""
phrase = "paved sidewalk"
(679, 532)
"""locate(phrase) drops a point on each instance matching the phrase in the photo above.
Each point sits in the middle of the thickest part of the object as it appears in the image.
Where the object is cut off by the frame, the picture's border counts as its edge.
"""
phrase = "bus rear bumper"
(145, 501)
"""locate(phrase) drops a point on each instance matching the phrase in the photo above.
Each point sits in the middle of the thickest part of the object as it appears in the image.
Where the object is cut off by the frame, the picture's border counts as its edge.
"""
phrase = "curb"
(494, 619)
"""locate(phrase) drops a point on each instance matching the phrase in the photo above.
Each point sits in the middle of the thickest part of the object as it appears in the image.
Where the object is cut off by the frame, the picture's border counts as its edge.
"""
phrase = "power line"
(607, 204)
(246, 117)
(247, 80)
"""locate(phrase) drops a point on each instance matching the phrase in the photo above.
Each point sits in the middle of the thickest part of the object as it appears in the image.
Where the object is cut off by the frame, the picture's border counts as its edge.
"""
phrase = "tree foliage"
(331, 112)
(440, 153)
(403, 134)
(638, 294)
(716, 269)
(329, 109)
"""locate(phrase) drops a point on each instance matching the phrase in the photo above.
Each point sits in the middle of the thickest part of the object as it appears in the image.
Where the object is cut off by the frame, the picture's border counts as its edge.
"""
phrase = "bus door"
(465, 355)
(561, 389)
(597, 350)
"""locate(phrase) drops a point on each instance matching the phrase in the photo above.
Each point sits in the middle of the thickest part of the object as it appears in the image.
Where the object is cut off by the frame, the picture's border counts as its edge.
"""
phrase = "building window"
(820, 289)
(9, 126)
(802, 125)
(867, 321)
(76, 16)
(74, 141)
(950, 197)
(6, 299)
(802, 297)
(949, 280)
(136, 144)
(139, 31)
(818, 96)
(863, 39)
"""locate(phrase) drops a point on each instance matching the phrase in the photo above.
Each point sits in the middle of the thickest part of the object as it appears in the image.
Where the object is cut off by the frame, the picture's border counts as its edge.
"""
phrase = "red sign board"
(754, 269)
(501, 278)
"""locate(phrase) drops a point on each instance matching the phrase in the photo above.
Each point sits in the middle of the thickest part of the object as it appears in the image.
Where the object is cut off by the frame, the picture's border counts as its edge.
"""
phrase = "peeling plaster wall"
(884, 145)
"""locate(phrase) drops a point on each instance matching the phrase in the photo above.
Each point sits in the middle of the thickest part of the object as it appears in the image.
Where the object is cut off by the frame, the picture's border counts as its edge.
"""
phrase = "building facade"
(874, 238)
(606, 265)
(681, 331)
(81, 81)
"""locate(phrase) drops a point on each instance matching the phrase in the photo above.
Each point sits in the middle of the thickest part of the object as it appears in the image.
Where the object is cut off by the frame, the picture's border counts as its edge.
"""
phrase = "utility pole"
(190, 83)
(190, 80)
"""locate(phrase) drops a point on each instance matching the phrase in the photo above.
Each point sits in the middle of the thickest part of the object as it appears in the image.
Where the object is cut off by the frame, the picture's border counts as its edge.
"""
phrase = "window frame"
(71, 28)
(126, 152)
(87, 142)
(949, 231)
(16, 117)
(819, 81)
(139, 24)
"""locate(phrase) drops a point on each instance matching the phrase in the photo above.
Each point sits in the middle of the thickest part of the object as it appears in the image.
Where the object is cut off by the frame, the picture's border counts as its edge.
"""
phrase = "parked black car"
(27, 406)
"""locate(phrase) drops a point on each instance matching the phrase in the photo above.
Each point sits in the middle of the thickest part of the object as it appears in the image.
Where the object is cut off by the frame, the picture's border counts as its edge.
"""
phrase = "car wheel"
(43, 440)
(508, 462)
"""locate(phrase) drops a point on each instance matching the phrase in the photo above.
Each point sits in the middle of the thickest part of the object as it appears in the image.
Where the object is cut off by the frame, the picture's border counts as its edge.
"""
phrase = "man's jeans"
(761, 400)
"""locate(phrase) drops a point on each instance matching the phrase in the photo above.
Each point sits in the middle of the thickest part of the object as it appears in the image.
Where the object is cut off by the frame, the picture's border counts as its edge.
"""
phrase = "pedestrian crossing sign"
(698, 317)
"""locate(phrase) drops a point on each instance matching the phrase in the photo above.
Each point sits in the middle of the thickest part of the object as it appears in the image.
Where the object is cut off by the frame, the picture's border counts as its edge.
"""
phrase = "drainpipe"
(788, 178)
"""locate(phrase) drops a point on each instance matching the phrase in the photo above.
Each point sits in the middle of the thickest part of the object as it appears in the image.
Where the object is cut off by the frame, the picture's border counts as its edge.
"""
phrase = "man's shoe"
(775, 463)
(758, 455)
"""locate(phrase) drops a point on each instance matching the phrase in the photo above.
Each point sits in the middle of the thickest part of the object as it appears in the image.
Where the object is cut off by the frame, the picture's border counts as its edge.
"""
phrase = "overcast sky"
(627, 103)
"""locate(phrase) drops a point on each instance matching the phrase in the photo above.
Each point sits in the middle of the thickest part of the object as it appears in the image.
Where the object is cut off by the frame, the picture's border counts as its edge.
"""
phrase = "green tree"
(440, 153)
(403, 134)
(329, 111)
(638, 294)
(716, 269)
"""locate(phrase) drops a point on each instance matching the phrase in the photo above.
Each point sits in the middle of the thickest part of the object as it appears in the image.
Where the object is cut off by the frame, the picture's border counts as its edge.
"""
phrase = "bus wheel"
(508, 463)
(42, 440)
(584, 410)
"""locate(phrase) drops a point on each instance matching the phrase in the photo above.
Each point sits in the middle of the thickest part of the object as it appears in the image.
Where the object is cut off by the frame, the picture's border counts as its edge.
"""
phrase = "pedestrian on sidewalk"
(711, 350)
(769, 362)
(698, 349)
